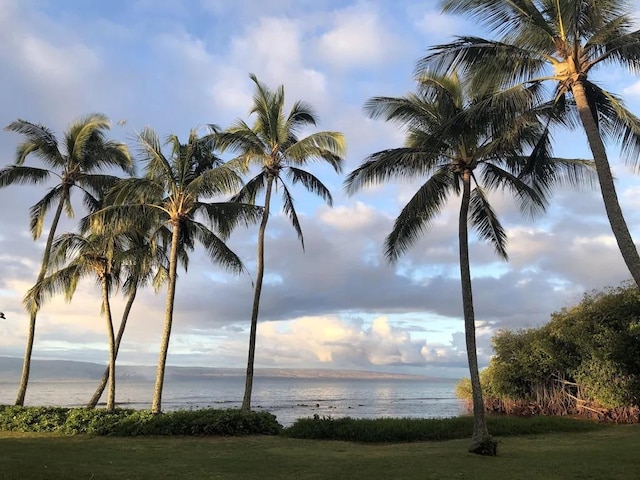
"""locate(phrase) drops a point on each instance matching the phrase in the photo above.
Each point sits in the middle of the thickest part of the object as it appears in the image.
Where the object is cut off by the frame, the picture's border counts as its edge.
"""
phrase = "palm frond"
(251, 189)
(310, 182)
(400, 163)
(63, 281)
(150, 152)
(108, 154)
(301, 115)
(217, 250)
(83, 135)
(327, 146)
(617, 124)
(40, 141)
(411, 111)
(38, 212)
(419, 212)
(531, 201)
(221, 180)
(224, 217)
(240, 137)
(503, 16)
(288, 208)
(135, 191)
(485, 221)
(483, 60)
(21, 175)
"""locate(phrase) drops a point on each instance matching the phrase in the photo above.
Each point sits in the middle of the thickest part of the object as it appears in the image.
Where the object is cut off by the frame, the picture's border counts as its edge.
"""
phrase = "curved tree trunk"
(26, 365)
(105, 376)
(480, 437)
(156, 406)
(246, 401)
(111, 394)
(607, 187)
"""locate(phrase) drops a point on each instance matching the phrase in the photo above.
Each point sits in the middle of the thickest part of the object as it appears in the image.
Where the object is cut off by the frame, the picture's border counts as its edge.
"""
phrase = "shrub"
(585, 361)
(383, 430)
(127, 422)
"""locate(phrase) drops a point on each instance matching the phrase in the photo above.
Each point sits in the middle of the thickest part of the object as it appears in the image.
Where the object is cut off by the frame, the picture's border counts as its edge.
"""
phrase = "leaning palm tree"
(74, 256)
(172, 195)
(562, 42)
(464, 143)
(274, 146)
(84, 155)
(144, 262)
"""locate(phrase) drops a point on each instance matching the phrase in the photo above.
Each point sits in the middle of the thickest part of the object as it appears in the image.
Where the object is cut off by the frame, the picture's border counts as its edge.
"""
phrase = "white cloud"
(432, 23)
(273, 50)
(337, 342)
(632, 90)
(358, 39)
(349, 218)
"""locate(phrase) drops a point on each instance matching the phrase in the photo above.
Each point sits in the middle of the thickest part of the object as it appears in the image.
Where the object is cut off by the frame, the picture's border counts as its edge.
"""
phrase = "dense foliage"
(586, 359)
(128, 422)
(382, 430)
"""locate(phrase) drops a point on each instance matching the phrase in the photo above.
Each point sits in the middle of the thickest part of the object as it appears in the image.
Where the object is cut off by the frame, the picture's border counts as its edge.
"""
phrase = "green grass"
(606, 453)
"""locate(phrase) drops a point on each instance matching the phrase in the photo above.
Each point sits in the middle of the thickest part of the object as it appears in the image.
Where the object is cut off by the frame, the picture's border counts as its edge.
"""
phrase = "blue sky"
(175, 65)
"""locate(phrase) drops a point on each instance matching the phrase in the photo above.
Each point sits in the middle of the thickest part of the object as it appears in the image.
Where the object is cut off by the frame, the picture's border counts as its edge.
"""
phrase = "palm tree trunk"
(26, 365)
(156, 406)
(480, 432)
(111, 394)
(607, 187)
(105, 376)
(246, 401)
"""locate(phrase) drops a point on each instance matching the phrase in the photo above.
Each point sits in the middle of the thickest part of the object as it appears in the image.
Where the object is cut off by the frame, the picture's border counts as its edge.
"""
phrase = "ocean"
(287, 398)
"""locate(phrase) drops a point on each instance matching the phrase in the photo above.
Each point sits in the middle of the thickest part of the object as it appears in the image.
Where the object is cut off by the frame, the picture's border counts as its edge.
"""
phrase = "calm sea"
(287, 398)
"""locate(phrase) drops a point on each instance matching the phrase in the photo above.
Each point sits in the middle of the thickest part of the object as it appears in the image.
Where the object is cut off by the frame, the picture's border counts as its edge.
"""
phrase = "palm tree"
(85, 152)
(171, 195)
(144, 262)
(273, 145)
(559, 41)
(466, 144)
(99, 253)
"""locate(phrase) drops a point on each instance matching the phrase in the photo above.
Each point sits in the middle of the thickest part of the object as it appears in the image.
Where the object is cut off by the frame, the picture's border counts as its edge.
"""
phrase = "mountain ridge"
(71, 370)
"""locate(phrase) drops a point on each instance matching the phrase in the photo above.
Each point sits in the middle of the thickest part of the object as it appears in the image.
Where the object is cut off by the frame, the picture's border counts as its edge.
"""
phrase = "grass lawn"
(610, 453)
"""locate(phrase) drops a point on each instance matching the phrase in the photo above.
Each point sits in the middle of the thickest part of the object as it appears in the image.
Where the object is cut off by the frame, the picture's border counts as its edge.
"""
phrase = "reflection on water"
(287, 398)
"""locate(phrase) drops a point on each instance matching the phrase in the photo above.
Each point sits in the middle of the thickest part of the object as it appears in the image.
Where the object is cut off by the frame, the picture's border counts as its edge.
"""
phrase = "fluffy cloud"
(357, 39)
(436, 26)
(332, 340)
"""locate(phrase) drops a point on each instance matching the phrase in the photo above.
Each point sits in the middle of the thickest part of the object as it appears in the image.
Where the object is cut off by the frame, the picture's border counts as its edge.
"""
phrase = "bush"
(127, 422)
(585, 361)
(383, 430)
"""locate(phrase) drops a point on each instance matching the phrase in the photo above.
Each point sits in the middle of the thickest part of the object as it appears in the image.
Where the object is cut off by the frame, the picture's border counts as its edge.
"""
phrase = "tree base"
(487, 447)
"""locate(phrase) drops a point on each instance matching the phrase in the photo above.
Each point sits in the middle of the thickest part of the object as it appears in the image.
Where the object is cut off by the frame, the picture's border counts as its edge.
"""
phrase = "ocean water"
(287, 398)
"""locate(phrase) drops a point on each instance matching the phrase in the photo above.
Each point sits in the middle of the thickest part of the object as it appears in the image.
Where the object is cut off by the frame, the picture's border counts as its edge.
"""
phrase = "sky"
(176, 65)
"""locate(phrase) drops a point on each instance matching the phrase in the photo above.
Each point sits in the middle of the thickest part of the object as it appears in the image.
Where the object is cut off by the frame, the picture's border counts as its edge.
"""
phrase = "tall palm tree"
(273, 145)
(466, 144)
(99, 254)
(143, 262)
(84, 155)
(171, 195)
(562, 42)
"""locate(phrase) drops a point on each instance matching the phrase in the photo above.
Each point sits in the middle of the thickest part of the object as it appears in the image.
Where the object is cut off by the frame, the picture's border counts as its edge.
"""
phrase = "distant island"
(66, 370)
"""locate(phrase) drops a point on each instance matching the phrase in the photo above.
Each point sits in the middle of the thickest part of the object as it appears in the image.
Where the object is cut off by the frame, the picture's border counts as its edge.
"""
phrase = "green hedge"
(127, 422)
(382, 430)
